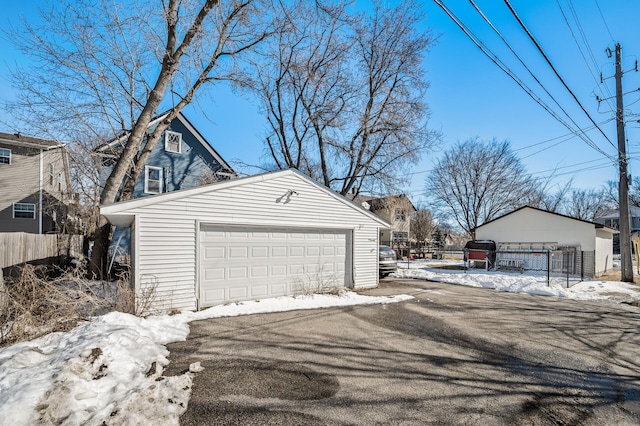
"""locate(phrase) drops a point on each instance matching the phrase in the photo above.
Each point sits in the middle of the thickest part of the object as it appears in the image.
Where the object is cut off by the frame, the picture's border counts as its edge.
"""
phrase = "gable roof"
(110, 145)
(377, 203)
(28, 141)
(597, 225)
(117, 213)
(385, 202)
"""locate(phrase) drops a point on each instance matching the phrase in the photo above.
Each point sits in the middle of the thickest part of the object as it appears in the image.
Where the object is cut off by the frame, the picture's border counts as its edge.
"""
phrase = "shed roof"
(596, 225)
(119, 214)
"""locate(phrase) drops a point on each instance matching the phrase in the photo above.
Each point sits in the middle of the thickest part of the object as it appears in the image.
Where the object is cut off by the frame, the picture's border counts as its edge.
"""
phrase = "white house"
(532, 228)
(262, 236)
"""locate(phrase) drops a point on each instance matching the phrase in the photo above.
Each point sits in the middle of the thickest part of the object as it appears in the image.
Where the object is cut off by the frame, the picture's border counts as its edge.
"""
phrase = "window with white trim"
(5, 156)
(59, 182)
(400, 214)
(173, 141)
(153, 180)
(51, 173)
(24, 211)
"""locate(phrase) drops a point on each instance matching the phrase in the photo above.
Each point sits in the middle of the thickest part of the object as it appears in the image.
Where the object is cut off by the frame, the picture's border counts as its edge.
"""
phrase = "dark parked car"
(387, 261)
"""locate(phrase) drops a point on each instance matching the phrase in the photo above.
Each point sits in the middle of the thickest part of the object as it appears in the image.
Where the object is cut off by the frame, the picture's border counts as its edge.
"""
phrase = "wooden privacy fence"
(20, 247)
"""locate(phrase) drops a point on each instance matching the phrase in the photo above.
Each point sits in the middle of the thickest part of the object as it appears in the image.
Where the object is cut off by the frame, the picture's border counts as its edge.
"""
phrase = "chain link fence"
(565, 267)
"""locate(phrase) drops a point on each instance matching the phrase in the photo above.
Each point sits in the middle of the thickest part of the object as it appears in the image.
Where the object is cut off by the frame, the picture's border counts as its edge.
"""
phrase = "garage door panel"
(259, 271)
(296, 251)
(328, 267)
(238, 293)
(279, 251)
(278, 289)
(214, 253)
(214, 273)
(296, 269)
(239, 252)
(241, 263)
(259, 291)
(214, 294)
(329, 251)
(238, 234)
(259, 252)
(279, 270)
(238, 272)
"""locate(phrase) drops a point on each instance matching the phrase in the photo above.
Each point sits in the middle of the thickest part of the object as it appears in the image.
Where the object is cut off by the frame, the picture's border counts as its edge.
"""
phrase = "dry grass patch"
(37, 302)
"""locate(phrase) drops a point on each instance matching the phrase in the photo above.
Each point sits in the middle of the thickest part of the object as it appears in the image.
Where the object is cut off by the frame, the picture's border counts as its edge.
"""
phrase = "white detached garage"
(262, 236)
(529, 227)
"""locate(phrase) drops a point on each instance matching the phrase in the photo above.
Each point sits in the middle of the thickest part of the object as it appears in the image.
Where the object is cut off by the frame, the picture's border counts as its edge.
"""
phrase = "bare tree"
(422, 226)
(106, 67)
(587, 204)
(634, 192)
(344, 95)
(544, 198)
(476, 181)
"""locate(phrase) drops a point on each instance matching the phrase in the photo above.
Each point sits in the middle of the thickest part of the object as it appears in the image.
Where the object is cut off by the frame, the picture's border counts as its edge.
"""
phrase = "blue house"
(181, 159)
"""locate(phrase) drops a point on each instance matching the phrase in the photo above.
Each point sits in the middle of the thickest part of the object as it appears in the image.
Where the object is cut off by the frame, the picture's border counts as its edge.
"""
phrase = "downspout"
(41, 185)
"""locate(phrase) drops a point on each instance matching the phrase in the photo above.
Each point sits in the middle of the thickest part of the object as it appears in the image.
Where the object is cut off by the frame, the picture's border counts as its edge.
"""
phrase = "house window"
(5, 156)
(51, 174)
(172, 141)
(59, 182)
(24, 211)
(153, 180)
(400, 215)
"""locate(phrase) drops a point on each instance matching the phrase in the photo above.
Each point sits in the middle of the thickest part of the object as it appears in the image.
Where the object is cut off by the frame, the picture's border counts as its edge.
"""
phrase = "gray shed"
(262, 236)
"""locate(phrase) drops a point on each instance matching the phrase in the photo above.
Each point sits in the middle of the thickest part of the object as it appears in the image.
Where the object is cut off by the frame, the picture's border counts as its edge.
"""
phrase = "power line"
(604, 20)
(598, 160)
(494, 58)
(568, 137)
(587, 46)
(544, 55)
(504, 40)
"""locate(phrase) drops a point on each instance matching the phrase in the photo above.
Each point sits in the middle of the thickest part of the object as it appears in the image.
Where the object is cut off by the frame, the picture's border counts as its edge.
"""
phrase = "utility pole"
(626, 266)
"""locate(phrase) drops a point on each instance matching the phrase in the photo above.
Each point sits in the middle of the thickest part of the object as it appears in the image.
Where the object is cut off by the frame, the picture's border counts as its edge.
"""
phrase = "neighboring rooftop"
(19, 139)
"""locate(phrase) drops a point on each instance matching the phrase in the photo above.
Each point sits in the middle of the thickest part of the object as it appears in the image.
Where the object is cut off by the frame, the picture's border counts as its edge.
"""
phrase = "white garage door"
(243, 263)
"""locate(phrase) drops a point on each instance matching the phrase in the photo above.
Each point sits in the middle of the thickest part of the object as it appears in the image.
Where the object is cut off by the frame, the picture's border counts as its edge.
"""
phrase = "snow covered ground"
(109, 370)
(528, 282)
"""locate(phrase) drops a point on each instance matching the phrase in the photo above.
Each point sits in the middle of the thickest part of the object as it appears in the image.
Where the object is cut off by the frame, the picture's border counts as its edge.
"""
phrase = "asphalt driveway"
(453, 355)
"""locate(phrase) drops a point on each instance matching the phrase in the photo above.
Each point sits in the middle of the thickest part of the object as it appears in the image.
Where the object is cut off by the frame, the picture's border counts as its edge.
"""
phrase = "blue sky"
(470, 96)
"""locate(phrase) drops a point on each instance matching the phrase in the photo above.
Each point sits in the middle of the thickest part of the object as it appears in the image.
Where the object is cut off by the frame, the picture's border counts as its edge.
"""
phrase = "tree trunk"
(98, 261)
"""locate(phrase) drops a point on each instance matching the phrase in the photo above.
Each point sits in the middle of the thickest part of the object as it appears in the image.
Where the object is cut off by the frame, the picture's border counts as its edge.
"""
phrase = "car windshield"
(387, 251)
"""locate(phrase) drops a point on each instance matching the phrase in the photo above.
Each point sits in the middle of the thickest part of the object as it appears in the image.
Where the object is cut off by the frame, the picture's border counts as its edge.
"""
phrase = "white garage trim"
(252, 262)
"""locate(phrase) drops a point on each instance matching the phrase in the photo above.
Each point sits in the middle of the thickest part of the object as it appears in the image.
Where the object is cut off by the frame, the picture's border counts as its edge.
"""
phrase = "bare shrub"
(316, 282)
(146, 298)
(40, 300)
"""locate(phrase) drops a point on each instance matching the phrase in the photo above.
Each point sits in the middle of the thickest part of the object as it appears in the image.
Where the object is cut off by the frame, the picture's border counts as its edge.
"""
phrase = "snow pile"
(103, 370)
(109, 370)
(528, 282)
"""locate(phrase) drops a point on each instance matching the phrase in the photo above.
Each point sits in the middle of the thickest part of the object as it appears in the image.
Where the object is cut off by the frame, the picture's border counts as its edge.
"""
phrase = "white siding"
(166, 257)
(166, 247)
(604, 251)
